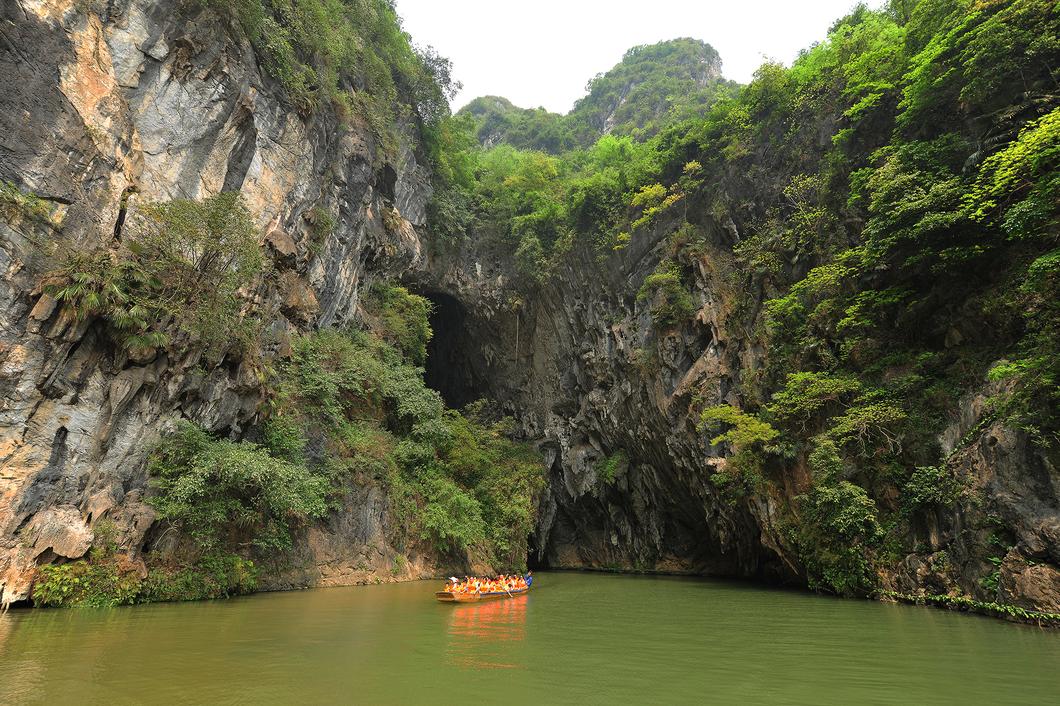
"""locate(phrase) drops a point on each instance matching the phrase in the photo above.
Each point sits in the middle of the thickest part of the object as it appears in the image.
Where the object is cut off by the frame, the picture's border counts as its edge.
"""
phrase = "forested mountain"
(497, 121)
(652, 87)
(803, 331)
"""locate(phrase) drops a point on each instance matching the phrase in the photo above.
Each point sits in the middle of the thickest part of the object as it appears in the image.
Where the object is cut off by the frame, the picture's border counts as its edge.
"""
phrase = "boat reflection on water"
(481, 634)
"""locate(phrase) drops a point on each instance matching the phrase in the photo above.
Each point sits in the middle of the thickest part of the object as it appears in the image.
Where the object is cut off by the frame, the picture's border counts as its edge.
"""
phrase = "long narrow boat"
(455, 597)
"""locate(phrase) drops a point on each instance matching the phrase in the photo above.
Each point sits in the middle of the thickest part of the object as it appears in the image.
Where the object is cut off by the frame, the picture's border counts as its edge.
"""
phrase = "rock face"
(999, 541)
(151, 101)
(612, 399)
(585, 371)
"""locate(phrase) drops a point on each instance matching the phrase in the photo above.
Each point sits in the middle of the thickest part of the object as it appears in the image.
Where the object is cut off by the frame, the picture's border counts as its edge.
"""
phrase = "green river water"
(577, 638)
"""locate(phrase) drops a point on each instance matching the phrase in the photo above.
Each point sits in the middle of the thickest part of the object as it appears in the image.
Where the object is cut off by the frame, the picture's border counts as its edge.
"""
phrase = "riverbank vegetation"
(962, 604)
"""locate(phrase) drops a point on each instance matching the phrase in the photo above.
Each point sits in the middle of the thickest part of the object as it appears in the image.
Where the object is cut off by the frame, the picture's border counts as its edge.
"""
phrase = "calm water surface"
(577, 638)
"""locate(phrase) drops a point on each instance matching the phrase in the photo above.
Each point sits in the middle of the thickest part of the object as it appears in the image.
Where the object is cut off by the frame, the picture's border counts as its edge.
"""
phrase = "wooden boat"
(451, 597)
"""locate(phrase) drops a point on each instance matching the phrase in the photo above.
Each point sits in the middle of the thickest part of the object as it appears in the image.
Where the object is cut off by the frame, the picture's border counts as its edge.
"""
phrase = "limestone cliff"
(583, 368)
(614, 402)
(151, 100)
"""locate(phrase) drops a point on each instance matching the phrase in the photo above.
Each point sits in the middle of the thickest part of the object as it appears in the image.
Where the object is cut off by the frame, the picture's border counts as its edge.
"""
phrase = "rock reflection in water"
(481, 634)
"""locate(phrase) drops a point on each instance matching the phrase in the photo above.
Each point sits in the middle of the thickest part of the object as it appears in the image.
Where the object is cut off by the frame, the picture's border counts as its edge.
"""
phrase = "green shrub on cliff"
(403, 319)
(836, 533)
(16, 204)
(665, 290)
(352, 53)
(607, 469)
(214, 489)
(835, 526)
(749, 439)
(743, 430)
(173, 280)
(456, 480)
(807, 394)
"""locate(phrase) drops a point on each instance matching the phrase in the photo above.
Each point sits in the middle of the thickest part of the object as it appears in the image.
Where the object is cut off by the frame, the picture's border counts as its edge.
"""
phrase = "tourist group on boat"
(502, 584)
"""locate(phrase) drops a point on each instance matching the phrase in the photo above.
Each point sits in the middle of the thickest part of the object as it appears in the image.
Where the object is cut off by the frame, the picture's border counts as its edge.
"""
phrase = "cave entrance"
(536, 560)
(453, 362)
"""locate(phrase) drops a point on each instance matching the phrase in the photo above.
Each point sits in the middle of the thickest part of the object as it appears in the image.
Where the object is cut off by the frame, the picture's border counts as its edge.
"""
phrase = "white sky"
(542, 52)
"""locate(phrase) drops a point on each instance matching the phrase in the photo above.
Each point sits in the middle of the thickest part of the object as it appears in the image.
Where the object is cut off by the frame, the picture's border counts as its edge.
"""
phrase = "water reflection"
(481, 635)
(5, 628)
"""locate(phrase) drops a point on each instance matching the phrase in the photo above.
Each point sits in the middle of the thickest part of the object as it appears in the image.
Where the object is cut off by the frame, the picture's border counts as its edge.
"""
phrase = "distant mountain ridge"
(653, 86)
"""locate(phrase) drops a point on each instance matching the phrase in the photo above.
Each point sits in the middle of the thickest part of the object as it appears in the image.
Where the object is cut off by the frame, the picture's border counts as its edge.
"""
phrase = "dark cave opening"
(536, 560)
(451, 366)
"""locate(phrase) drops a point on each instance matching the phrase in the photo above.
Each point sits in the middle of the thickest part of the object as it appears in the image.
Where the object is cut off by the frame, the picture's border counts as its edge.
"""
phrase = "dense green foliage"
(96, 584)
(533, 208)
(211, 488)
(836, 533)
(899, 260)
(174, 278)
(352, 54)
(346, 404)
(350, 402)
